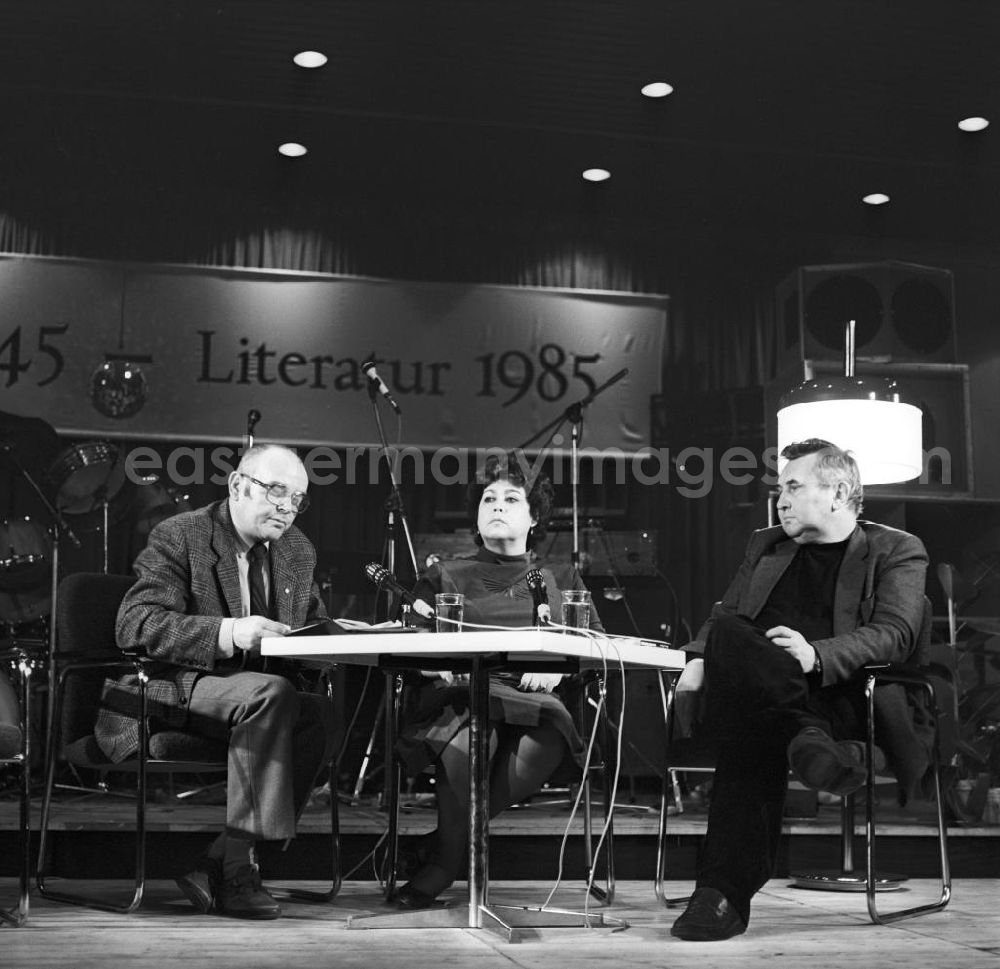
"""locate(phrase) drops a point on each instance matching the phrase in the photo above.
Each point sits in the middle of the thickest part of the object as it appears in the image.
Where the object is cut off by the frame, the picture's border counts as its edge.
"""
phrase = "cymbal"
(985, 625)
(989, 647)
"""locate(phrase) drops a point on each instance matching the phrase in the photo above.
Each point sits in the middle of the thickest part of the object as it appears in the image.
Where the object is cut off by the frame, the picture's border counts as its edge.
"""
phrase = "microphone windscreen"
(10, 741)
(376, 573)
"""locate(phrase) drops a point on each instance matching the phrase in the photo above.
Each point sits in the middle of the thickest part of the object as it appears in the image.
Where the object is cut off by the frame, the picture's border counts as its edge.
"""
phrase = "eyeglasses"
(278, 494)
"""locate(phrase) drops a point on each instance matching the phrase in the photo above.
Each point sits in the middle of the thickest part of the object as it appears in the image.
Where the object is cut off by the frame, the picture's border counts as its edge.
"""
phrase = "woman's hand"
(421, 608)
(446, 675)
(540, 682)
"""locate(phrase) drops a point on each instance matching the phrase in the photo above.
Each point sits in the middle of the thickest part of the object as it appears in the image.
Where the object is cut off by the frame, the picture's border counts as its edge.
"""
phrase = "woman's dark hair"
(516, 469)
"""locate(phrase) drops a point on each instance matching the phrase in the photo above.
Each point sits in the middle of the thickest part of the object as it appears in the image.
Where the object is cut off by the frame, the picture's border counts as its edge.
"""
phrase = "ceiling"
(121, 117)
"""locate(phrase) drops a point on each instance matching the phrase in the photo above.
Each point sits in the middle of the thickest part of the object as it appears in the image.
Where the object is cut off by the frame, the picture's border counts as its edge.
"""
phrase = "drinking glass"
(576, 608)
(449, 607)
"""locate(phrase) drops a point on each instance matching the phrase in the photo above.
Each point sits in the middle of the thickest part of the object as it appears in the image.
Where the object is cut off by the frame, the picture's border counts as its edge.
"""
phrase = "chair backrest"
(922, 650)
(86, 611)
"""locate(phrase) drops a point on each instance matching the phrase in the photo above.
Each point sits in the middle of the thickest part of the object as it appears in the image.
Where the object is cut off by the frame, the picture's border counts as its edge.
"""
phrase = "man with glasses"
(211, 584)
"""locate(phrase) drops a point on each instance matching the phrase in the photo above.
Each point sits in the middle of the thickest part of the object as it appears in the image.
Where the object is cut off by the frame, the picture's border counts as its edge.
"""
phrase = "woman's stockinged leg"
(521, 761)
(451, 786)
(525, 760)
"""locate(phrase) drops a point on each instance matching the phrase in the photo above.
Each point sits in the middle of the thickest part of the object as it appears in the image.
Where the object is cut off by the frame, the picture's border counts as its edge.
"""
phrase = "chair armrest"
(110, 662)
(899, 673)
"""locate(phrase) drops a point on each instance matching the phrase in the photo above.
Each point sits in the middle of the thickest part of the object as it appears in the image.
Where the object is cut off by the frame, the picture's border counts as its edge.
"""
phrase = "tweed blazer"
(878, 604)
(188, 582)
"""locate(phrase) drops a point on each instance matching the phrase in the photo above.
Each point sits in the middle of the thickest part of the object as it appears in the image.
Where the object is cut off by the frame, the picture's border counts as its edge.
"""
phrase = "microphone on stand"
(252, 417)
(540, 597)
(384, 579)
(368, 369)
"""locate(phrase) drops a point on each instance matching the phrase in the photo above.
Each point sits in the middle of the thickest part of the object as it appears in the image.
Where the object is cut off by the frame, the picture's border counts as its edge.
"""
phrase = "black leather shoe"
(709, 917)
(244, 897)
(202, 885)
(412, 898)
(824, 764)
(413, 853)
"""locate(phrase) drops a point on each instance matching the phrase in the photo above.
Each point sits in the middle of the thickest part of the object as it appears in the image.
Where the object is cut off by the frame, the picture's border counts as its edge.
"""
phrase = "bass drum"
(25, 554)
(156, 502)
(84, 475)
(10, 706)
(25, 612)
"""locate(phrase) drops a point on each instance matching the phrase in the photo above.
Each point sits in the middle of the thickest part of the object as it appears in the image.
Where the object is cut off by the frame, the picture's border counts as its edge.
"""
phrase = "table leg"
(479, 822)
(480, 914)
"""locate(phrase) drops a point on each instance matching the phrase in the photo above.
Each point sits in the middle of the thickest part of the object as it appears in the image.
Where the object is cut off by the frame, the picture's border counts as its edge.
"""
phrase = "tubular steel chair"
(15, 752)
(930, 684)
(917, 678)
(87, 609)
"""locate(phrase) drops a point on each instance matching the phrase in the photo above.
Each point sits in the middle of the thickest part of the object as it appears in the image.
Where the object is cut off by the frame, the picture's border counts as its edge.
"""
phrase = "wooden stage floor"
(790, 928)
(91, 835)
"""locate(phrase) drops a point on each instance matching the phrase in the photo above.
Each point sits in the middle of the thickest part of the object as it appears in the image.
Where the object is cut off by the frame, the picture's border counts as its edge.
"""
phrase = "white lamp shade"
(885, 436)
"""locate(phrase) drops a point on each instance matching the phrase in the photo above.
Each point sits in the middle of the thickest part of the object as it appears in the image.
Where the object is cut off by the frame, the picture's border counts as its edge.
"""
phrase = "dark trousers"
(279, 739)
(756, 700)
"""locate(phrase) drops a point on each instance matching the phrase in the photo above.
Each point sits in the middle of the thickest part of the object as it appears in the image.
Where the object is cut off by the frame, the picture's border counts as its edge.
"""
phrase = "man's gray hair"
(833, 464)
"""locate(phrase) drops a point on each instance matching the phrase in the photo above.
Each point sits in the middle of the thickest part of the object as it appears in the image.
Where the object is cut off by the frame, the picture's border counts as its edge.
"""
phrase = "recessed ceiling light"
(596, 174)
(973, 124)
(875, 198)
(292, 149)
(309, 58)
(657, 89)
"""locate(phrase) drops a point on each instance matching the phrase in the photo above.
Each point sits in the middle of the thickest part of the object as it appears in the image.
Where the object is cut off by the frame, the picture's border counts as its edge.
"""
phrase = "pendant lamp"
(865, 415)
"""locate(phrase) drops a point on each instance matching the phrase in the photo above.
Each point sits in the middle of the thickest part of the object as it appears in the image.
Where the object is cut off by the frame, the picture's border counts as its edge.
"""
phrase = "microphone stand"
(387, 710)
(253, 419)
(59, 529)
(574, 414)
(395, 510)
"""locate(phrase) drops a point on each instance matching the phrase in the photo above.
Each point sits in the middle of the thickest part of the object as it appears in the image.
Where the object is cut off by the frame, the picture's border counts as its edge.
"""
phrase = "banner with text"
(469, 365)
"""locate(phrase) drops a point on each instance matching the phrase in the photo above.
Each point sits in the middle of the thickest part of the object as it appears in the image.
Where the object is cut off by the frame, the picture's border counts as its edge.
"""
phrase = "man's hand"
(248, 631)
(792, 641)
(539, 682)
(692, 678)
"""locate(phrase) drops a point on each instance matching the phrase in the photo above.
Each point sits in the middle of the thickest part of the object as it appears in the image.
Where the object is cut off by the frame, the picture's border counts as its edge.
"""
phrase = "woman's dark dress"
(497, 594)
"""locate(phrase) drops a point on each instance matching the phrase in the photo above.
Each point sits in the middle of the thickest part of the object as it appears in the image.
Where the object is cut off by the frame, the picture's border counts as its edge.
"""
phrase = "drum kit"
(79, 485)
(82, 478)
(82, 481)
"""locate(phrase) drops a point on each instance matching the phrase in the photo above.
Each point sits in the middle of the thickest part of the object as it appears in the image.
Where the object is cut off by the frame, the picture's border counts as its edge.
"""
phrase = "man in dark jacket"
(211, 583)
(815, 600)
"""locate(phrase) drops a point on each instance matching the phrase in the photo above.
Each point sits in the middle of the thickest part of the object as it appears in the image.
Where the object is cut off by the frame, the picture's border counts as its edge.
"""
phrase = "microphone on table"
(384, 579)
(540, 598)
(368, 369)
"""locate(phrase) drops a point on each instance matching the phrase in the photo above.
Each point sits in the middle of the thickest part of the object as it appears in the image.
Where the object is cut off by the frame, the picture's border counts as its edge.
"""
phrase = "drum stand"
(104, 529)
(59, 529)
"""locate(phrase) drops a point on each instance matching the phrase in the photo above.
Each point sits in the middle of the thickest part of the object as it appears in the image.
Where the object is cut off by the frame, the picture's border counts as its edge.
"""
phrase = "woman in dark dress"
(532, 732)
